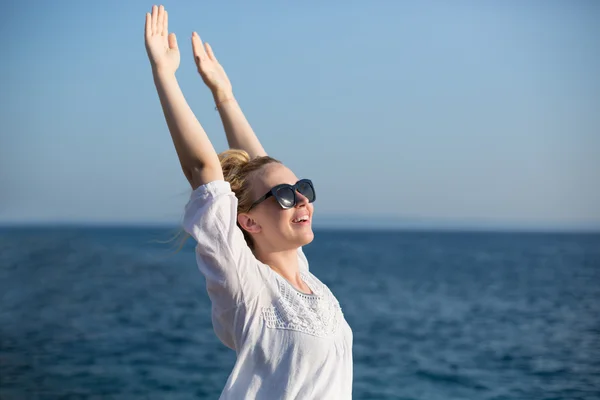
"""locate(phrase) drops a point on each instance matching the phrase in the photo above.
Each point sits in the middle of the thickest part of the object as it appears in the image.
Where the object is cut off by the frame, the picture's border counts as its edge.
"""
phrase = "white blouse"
(289, 345)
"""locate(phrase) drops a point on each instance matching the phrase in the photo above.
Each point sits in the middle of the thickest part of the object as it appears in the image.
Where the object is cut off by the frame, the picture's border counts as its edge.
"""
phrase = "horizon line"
(398, 227)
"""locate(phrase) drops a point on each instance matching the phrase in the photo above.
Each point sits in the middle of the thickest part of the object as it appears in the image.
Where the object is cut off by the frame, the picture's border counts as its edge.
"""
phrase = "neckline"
(303, 276)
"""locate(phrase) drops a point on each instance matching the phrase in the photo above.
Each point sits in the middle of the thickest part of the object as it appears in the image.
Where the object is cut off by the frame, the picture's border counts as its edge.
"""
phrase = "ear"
(248, 223)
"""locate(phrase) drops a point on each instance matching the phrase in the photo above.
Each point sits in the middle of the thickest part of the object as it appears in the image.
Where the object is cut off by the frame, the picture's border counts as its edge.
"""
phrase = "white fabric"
(289, 345)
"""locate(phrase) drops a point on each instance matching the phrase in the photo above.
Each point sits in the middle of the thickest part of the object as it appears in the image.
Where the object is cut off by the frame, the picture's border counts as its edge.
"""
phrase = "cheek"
(284, 217)
(276, 218)
(283, 220)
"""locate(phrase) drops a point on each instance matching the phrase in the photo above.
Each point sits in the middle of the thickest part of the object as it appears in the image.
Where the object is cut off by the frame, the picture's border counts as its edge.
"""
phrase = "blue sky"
(447, 114)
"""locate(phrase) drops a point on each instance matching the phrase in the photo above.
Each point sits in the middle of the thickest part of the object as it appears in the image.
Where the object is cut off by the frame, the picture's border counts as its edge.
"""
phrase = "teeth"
(304, 218)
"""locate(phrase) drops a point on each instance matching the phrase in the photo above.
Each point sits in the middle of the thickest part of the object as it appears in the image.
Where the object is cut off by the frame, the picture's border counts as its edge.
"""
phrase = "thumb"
(172, 41)
(209, 51)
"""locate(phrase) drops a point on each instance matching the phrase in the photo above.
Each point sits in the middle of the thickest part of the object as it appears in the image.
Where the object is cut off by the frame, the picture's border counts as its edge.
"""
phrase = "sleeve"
(233, 275)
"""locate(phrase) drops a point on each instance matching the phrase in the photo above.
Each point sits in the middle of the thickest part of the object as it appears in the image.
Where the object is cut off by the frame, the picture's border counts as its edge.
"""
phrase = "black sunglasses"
(285, 194)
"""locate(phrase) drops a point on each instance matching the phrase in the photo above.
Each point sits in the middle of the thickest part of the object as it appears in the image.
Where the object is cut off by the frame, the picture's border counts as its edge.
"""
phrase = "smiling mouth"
(300, 220)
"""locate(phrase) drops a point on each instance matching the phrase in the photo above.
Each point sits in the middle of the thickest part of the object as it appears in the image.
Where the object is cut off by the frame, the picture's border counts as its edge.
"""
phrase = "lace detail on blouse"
(316, 314)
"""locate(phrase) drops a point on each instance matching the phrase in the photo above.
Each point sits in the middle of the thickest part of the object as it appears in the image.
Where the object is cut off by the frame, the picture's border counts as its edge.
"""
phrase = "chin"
(306, 236)
(300, 237)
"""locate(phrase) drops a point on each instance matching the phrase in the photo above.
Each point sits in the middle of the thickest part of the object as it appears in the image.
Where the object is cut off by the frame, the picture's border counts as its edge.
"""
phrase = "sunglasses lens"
(307, 191)
(285, 197)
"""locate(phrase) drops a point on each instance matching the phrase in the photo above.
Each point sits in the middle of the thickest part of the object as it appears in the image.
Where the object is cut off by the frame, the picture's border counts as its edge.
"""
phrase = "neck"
(285, 263)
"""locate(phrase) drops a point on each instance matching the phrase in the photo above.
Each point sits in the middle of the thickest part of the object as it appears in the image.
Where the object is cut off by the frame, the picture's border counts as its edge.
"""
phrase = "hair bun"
(232, 161)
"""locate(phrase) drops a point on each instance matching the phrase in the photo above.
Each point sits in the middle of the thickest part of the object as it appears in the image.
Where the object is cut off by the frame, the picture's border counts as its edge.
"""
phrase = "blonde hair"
(238, 168)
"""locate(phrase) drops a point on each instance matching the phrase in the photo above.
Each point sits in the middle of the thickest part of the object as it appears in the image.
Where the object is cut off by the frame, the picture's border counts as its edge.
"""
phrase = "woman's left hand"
(210, 70)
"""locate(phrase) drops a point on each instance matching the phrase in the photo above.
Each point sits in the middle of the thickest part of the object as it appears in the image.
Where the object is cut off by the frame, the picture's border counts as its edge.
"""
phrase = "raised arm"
(198, 158)
(237, 129)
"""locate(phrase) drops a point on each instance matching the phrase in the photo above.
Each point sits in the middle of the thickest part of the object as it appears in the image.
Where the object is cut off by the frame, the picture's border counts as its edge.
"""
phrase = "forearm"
(237, 128)
(197, 156)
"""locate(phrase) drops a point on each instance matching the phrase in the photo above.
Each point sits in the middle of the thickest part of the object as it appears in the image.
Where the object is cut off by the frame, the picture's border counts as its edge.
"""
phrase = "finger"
(209, 52)
(161, 20)
(154, 18)
(199, 52)
(148, 26)
(165, 31)
(172, 42)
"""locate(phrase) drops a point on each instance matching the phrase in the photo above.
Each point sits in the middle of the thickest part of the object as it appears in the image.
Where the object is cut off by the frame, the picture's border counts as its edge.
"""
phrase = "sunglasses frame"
(294, 188)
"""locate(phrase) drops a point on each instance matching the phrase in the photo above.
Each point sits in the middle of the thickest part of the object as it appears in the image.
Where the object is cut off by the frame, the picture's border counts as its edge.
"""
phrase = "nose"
(301, 200)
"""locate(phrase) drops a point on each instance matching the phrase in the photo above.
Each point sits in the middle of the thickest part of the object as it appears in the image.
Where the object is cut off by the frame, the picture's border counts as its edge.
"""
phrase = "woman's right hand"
(160, 45)
(210, 70)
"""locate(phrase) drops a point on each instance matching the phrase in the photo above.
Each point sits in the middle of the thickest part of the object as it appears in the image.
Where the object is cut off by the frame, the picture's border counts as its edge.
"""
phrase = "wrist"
(162, 74)
(221, 96)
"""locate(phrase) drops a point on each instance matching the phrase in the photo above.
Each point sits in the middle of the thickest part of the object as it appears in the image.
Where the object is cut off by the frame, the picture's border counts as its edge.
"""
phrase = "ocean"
(113, 313)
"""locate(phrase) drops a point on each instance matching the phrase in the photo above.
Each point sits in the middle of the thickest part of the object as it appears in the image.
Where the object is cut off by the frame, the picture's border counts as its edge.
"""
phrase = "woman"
(250, 216)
